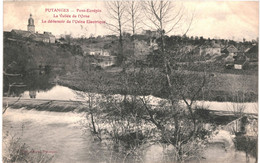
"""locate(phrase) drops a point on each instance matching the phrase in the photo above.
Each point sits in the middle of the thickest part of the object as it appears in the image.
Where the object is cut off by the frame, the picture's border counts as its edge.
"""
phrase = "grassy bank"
(223, 87)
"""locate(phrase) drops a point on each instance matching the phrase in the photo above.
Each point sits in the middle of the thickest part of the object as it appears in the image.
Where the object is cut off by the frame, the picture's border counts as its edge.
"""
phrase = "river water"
(59, 133)
(62, 134)
(64, 93)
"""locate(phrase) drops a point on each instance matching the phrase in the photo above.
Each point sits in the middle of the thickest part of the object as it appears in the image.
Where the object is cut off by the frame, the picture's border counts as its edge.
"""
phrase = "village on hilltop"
(236, 55)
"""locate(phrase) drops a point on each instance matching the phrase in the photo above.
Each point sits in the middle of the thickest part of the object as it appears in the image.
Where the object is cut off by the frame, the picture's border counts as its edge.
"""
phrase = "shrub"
(14, 150)
(246, 144)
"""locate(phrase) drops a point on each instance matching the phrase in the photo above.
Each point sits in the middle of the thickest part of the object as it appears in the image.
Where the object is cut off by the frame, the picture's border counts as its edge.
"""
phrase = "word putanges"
(67, 10)
(56, 10)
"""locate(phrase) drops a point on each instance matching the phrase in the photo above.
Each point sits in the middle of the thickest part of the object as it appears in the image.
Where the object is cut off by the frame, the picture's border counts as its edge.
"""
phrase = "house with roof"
(210, 49)
(237, 62)
(20, 33)
(50, 36)
(230, 50)
(240, 62)
(46, 37)
(229, 62)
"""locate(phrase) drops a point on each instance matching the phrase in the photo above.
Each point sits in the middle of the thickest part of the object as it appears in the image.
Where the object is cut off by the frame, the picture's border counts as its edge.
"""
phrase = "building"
(99, 52)
(51, 36)
(239, 65)
(210, 49)
(20, 33)
(46, 37)
(230, 50)
(240, 62)
(30, 26)
(229, 62)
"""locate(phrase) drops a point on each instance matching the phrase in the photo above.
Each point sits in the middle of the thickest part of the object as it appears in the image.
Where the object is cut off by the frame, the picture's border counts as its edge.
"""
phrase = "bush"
(17, 151)
(246, 144)
(203, 114)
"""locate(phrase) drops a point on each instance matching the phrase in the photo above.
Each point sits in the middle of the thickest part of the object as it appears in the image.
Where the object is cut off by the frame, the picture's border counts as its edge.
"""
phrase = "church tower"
(30, 26)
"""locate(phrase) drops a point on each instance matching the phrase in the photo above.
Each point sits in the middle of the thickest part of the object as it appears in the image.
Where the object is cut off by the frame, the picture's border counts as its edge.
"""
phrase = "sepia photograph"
(156, 81)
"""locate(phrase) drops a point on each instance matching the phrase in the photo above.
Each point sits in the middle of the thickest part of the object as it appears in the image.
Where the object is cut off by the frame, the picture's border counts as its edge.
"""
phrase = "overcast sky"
(221, 19)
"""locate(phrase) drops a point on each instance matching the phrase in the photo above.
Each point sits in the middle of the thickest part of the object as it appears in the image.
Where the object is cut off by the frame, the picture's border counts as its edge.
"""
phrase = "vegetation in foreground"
(14, 150)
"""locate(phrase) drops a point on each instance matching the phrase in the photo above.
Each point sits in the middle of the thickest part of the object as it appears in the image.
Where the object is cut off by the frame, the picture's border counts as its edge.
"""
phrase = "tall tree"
(165, 17)
(116, 14)
(134, 19)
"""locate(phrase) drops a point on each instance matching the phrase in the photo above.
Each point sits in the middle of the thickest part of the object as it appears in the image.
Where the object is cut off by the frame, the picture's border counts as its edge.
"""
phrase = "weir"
(73, 105)
(64, 97)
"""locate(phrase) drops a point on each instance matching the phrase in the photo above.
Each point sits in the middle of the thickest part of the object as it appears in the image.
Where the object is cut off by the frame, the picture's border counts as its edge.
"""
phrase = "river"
(62, 134)
(50, 131)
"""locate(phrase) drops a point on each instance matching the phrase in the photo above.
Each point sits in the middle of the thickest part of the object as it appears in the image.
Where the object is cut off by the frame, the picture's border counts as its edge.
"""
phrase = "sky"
(215, 19)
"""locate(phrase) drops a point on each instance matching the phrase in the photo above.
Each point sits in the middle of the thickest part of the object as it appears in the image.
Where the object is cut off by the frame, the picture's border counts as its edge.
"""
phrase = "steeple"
(30, 26)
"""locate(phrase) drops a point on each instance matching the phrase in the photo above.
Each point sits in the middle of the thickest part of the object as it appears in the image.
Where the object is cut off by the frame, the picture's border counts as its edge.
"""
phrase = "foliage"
(246, 144)
(128, 122)
(14, 150)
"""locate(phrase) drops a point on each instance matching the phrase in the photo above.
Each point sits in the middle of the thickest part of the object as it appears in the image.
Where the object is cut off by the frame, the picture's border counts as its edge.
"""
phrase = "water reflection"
(57, 92)
(32, 80)
(32, 94)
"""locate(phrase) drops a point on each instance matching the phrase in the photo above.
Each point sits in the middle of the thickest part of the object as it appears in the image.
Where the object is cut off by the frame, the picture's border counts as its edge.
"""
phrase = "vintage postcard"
(130, 81)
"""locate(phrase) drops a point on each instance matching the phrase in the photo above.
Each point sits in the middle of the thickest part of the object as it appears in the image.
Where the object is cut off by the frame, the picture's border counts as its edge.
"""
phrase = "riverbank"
(223, 87)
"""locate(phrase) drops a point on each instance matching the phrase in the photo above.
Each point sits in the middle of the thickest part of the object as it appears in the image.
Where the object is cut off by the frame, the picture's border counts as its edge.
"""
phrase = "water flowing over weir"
(51, 131)
(64, 93)
(61, 132)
